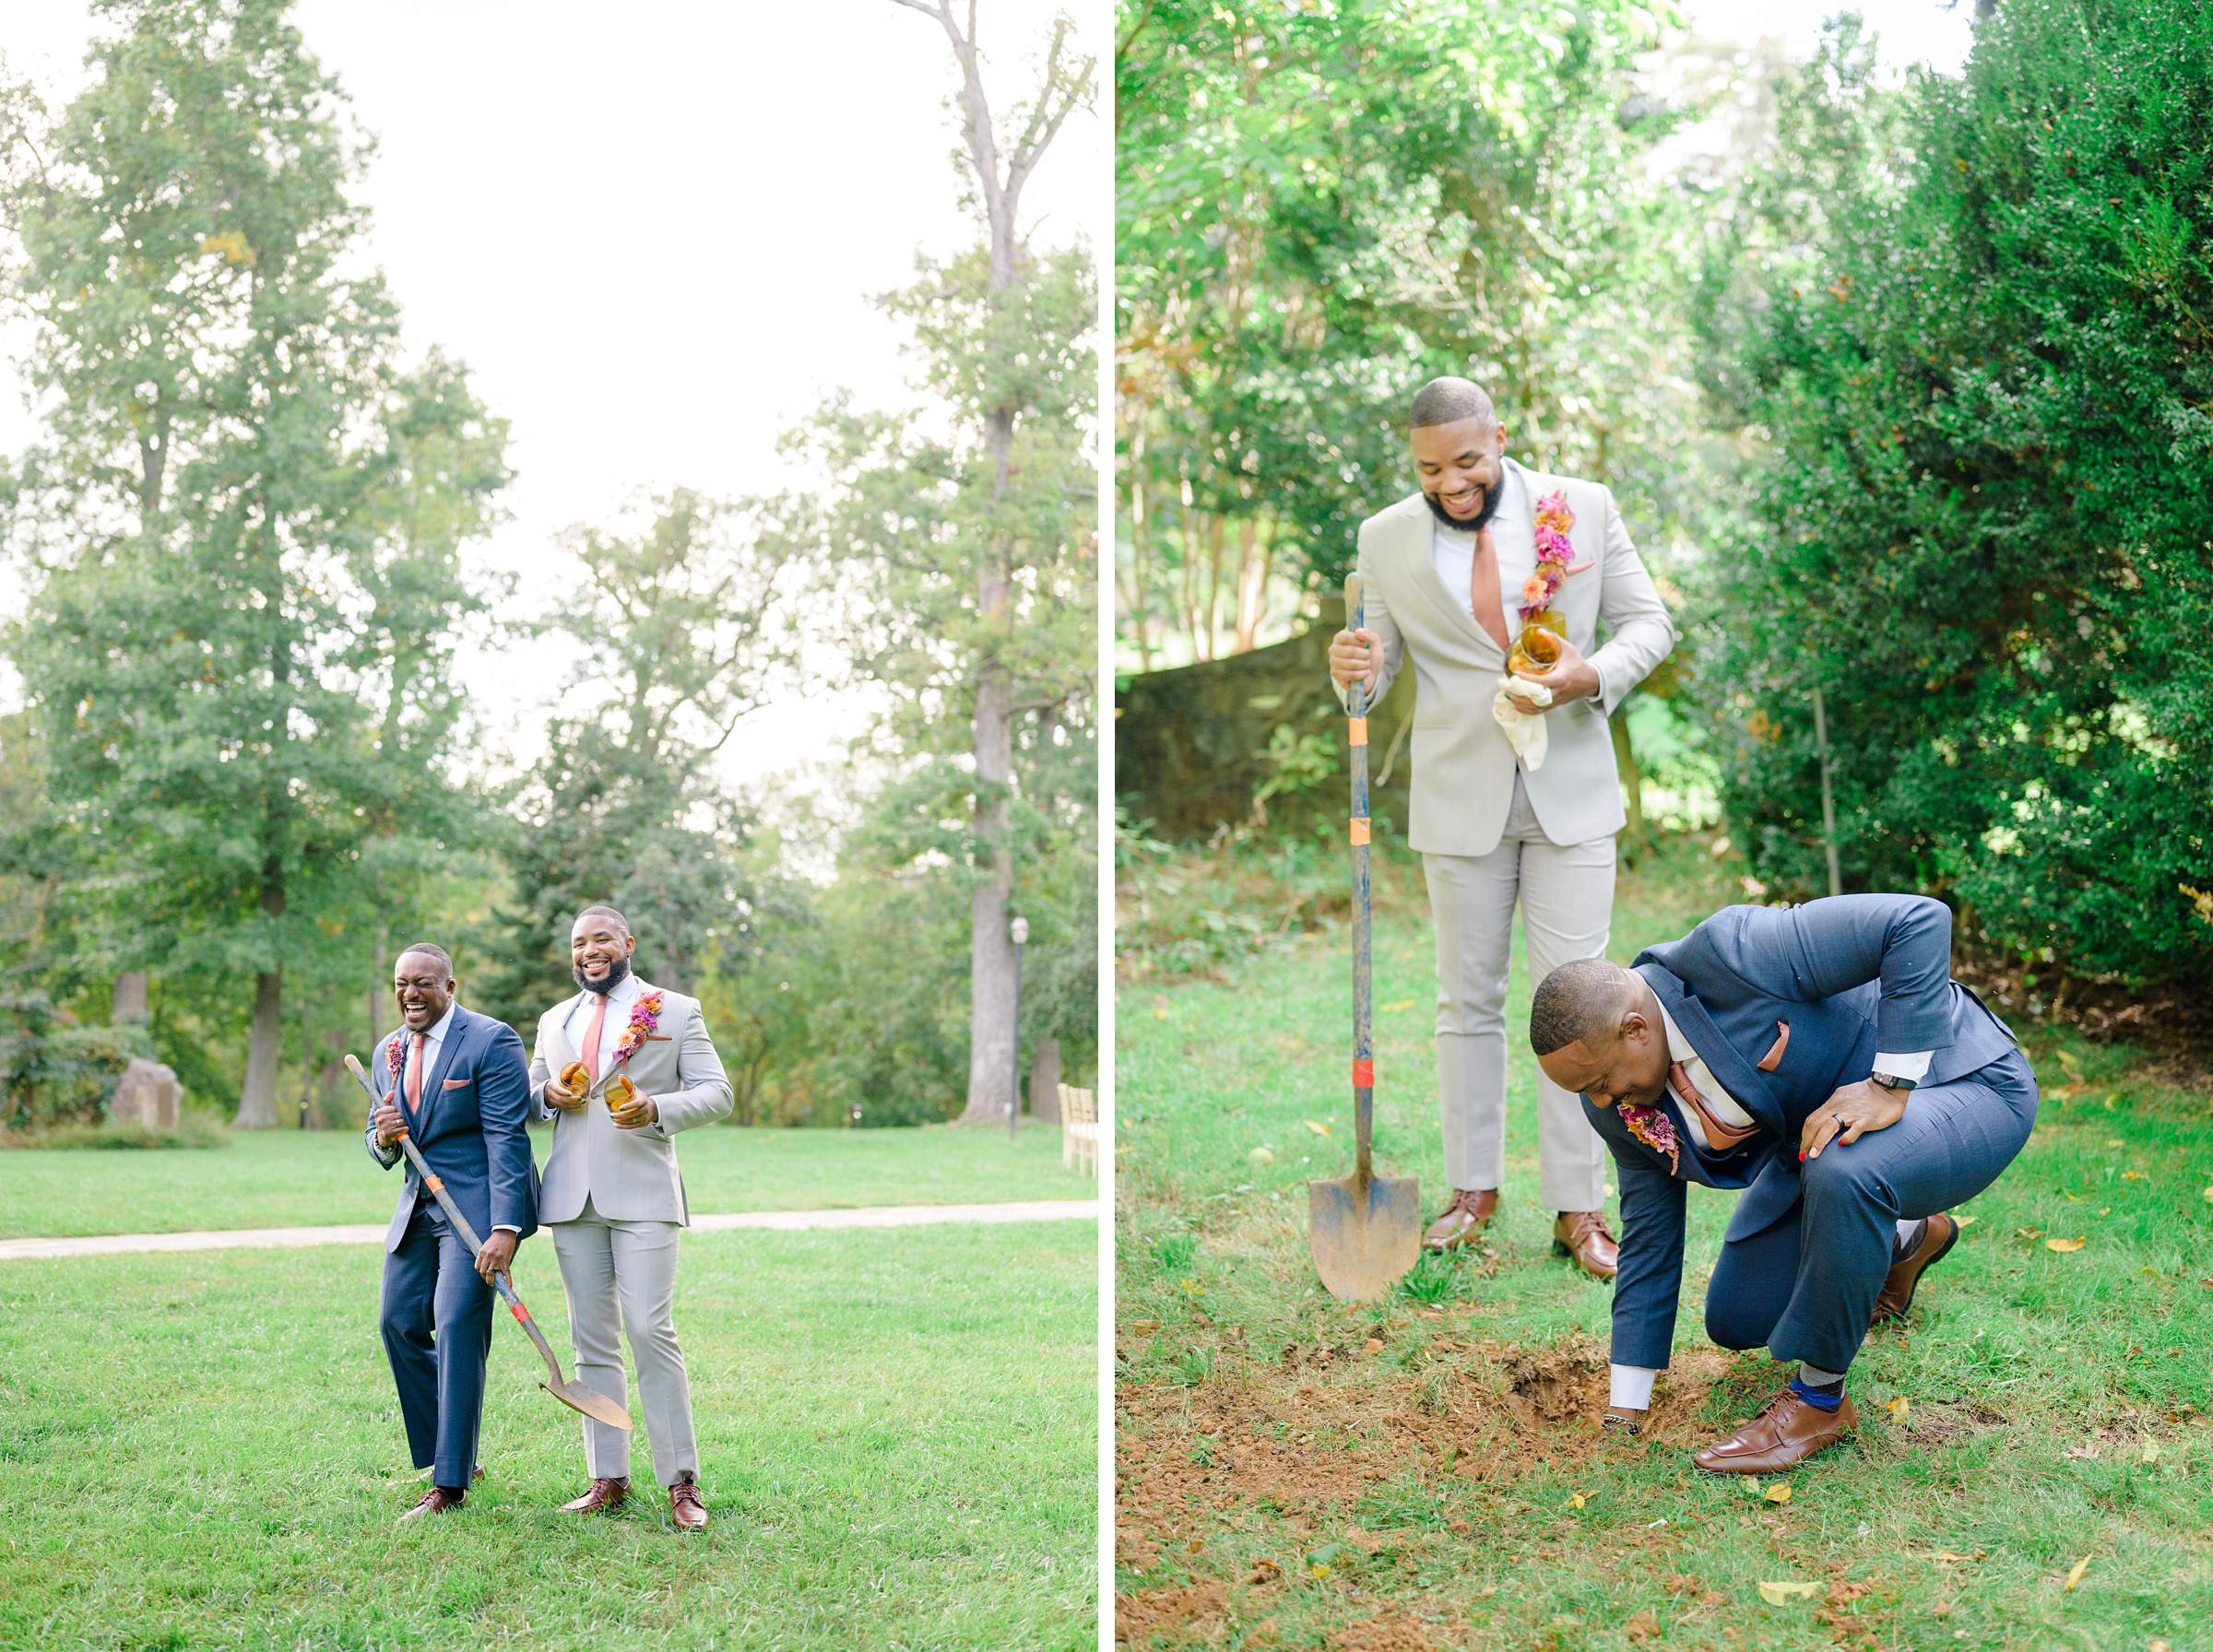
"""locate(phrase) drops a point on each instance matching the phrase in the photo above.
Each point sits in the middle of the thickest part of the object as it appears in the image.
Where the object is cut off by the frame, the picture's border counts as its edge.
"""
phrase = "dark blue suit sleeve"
(1649, 1282)
(503, 1107)
(1827, 947)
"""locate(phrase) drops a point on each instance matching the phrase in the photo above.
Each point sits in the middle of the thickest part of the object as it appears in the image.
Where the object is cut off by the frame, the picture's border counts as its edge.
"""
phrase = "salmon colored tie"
(591, 1037)
(415, 1075)
(1721, 1136)
(1482, 588)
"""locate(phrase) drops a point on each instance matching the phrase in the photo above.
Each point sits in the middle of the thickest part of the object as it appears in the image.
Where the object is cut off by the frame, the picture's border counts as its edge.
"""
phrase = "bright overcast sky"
(653, 231)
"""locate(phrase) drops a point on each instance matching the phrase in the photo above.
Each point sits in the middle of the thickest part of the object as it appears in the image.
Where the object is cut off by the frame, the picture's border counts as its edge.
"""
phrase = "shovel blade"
(1364, 1235)
(591, 1402)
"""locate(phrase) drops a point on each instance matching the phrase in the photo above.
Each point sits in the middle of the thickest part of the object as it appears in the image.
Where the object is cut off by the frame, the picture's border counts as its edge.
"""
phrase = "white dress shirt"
(433, 1038)
(624, 993)
(1513, 534)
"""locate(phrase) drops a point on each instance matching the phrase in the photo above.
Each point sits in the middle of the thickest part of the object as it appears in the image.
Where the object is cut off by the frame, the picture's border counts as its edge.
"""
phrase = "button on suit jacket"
(1463, 769)
(473, 1130)
(629, 1175)
(1849, 975)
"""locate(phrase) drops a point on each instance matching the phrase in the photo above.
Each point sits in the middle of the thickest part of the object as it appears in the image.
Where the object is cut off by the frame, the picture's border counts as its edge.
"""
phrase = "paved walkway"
(866, 1216)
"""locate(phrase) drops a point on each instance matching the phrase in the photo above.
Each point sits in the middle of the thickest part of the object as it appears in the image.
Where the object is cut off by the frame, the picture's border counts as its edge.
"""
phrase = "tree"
(679, 629)
(242, 527)
(979, 543)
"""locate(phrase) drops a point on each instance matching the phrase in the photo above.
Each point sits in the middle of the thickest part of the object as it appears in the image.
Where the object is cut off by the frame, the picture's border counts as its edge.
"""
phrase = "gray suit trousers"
(607, 1265)
(1566, 893)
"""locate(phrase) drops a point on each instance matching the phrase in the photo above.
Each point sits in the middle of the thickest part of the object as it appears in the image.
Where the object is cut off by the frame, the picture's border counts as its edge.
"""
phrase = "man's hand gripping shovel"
(1365, 1230)
(576, 1396)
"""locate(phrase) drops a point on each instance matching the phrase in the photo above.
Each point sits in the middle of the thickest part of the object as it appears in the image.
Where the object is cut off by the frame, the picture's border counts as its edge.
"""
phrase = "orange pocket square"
(1773, 1058)
(459, 1083)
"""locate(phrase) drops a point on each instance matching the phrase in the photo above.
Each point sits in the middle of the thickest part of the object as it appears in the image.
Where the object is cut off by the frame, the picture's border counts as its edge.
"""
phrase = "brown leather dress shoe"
(599, 1496)
(1582, 1235)
(1466, 1216)
(1904, 1278)
(1784, 1434)
(685, 1506)
(435, 1501)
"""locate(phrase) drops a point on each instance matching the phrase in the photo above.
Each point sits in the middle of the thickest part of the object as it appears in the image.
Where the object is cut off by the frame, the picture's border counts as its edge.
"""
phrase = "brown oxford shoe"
(598, 1497)
(435, 1501)
(1784, 1434)
(1582, 1235)
(685, 1506)
(1904, 1278)
(1462, 1220)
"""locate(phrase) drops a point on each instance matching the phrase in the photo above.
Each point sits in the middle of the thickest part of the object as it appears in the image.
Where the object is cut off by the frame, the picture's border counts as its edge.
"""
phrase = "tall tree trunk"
(130, 995)
(991, 949)
(1045, 1082)
(1632, 777)
(257, 1105)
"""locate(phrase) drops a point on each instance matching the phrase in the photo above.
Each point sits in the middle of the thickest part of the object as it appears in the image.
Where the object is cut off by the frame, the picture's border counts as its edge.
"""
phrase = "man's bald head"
(1580, 1002)
(1448, 401)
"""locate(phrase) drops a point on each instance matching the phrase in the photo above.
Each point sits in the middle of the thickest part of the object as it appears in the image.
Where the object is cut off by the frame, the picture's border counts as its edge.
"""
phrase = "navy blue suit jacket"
(1848, 977)
(474, 1128)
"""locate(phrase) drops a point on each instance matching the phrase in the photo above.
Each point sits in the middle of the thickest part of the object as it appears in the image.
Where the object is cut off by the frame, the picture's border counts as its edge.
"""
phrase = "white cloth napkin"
(1524, 733)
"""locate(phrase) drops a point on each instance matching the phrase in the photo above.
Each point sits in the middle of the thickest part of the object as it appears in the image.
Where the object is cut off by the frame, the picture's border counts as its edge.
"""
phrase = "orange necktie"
(591, 1038)
(1719, 1136)
(415, 1074)
(1482, 588)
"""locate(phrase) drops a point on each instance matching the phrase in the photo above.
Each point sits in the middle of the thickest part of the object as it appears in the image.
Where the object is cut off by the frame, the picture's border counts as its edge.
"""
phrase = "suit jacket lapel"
(1421, 568)
(1731, 1070)
(434, 1081)
(562, 1052)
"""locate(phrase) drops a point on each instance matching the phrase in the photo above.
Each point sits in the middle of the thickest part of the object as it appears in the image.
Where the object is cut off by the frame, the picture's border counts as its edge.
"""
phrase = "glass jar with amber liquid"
(1537, 648)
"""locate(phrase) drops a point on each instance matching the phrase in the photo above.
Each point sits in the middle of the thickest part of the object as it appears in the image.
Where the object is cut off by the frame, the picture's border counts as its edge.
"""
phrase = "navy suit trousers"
(437, 1325)
(1804, 1288)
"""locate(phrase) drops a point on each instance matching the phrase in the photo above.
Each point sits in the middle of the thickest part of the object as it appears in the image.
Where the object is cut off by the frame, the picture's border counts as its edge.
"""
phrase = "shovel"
(1364, 1229)
(576, 1396)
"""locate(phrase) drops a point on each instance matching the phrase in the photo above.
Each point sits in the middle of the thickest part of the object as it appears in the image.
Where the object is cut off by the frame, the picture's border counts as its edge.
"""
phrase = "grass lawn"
(897, 1431)
(315, 1178)
(1429, 1473)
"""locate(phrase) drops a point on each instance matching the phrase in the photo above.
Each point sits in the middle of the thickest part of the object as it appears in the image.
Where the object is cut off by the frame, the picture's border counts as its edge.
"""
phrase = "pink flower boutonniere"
(645, 1016)
(1656, 1130)
(394, 1058)
(1555, 551)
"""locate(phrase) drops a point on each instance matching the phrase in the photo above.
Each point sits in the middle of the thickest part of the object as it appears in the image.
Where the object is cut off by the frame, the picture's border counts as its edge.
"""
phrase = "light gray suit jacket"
(629, 1175)
(1463, 769)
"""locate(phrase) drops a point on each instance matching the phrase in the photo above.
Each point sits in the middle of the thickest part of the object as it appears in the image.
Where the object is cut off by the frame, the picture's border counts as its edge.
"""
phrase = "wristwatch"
(1889, 1083)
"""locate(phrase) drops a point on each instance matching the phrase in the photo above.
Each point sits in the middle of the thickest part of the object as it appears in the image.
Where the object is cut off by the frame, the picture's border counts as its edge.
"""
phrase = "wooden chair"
(1079, 1128)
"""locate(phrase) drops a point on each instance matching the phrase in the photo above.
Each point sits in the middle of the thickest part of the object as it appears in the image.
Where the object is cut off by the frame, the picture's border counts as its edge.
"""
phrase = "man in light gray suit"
(620, 1068)
(1446, 570)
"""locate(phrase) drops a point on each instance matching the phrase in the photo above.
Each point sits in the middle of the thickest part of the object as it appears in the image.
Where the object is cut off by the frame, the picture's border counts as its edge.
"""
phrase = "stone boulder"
(146, 1096)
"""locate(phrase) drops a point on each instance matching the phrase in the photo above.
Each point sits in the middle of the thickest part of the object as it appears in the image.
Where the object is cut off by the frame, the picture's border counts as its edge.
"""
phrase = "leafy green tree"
(967, 554)
(678, 628)
(1966, 326)
(243, 526)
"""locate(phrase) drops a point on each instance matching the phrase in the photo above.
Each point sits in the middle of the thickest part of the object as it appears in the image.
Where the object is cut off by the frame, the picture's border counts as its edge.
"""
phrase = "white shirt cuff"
(1914, 1066)
(507, 1227)
(1631, 1387)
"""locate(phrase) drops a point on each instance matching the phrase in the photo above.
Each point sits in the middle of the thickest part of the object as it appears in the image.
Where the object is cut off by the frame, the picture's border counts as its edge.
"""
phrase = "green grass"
(897, 1432)
(1426, 1455)
(315, 1178)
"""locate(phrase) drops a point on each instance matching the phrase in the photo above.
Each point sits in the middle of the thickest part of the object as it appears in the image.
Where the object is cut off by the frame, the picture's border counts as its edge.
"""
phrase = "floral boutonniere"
(394, 1059)
(1656, 1130)
(1555, 551)
(645, 1016)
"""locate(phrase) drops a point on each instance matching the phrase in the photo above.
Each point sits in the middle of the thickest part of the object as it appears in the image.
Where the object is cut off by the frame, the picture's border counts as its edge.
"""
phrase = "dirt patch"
(1560, 1383)
(1390, 1631)
(1934, 1424)
(1194, 1612)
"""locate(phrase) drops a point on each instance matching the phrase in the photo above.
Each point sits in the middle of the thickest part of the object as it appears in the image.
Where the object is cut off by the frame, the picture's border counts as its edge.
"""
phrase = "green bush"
(53, 1072)
(1973, 321)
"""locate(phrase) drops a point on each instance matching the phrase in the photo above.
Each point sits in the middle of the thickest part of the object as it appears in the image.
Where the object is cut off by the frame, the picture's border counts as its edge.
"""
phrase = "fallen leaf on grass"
(1775, 1594)
(1961, 1221)
(2028, 1233)
(1900, 1407)
(2075, 1576)
(1319, 1129)
(2209, 1193)
(1580, 1498)
(1779, 1493)
(1402, 1004)
(1945, 1557)
(1373, 1345)
(2132, 1175)
(1143, 1326)
(2152, 1451)
(2064, 1244)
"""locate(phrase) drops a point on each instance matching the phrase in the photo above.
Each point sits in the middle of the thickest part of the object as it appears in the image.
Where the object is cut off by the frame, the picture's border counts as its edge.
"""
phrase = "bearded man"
(1822, 1060)
(466, 1099)
(1443, 568)
(620, 1068)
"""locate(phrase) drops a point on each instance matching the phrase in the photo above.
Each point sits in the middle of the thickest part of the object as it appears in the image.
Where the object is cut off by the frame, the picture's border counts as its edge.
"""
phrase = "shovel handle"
(500, 1280)
(1363, 1066)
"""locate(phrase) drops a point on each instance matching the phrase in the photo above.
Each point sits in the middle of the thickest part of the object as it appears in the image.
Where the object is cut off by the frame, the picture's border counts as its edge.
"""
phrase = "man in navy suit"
(465, 1090)
(1822, 1060)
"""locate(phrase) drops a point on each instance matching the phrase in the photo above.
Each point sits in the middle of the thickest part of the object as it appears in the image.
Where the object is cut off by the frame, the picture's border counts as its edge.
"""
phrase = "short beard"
(1482, 519)
(615, 972)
